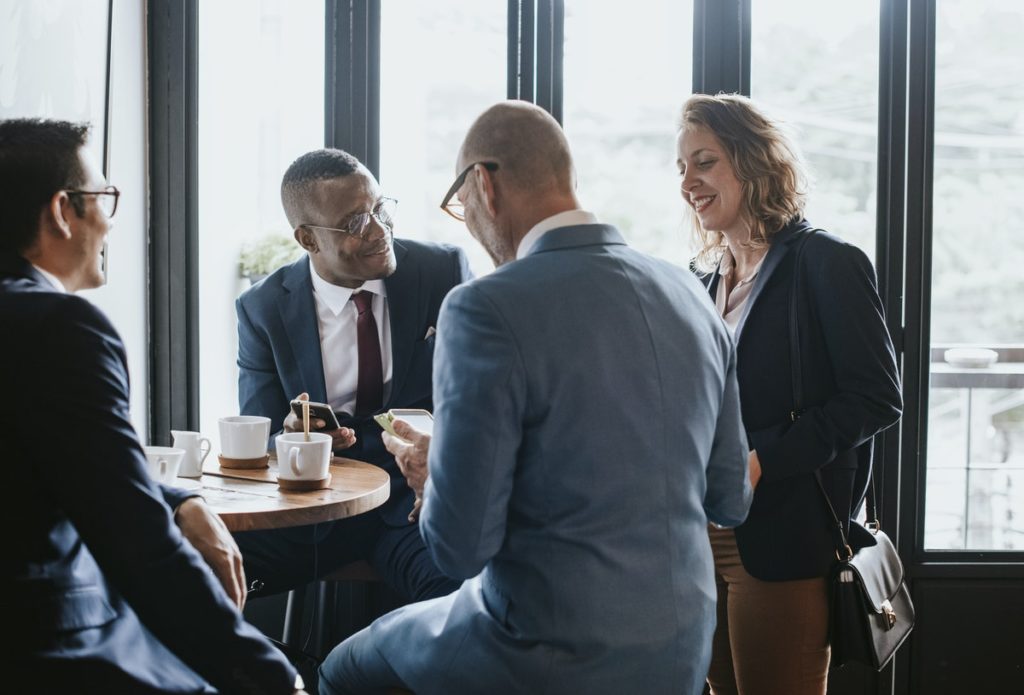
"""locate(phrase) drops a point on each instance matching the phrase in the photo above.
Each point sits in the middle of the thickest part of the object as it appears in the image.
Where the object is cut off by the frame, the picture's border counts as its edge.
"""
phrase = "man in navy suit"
(587, 429)
(103, 593)
(301, 331)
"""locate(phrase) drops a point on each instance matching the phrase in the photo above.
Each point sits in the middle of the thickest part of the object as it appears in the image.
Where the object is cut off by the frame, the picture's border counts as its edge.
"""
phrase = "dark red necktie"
(370, 388)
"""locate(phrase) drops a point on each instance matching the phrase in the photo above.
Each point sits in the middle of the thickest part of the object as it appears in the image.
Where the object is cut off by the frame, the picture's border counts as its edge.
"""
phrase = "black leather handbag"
(871, 613)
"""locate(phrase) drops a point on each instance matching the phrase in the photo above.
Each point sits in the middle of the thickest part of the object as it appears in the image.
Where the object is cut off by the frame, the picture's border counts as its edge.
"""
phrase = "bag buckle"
(849, 553)
(889, 615)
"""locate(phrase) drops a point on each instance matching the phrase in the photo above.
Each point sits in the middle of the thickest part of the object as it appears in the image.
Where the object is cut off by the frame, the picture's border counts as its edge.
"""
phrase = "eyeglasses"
(457, 209)
(106, 199)
(357, 224)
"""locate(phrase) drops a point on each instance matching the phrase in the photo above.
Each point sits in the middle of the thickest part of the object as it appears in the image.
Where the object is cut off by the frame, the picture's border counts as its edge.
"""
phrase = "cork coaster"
(261, 462)
(304, 485)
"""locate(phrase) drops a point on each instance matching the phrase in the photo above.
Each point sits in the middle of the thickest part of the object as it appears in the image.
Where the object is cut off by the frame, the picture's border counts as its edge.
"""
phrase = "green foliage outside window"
(263, 256)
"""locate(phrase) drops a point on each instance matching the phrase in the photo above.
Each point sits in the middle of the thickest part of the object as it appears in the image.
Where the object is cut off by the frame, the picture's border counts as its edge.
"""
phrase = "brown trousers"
(772, 637)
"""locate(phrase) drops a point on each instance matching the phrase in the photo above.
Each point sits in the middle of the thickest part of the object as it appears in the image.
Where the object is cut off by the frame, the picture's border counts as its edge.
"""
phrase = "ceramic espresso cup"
(244, 436)
(298, 459)
(163, 462)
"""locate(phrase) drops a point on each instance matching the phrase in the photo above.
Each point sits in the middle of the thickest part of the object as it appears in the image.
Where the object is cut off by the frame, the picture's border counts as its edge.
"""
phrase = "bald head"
(527, 142)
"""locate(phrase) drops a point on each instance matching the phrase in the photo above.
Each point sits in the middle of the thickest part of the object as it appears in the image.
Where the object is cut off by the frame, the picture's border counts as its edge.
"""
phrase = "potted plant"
(261, 257)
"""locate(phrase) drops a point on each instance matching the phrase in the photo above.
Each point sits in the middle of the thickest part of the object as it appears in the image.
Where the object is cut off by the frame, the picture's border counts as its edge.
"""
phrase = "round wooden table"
(250, 500)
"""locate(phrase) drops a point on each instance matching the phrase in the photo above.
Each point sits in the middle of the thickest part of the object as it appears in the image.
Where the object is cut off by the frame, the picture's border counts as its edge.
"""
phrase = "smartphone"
(420, 419)
(317, 411)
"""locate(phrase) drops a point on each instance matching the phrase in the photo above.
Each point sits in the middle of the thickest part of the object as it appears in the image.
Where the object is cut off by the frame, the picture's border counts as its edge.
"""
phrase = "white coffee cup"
(298, 459)
(244, 436)
(163, 462)
(195, 452)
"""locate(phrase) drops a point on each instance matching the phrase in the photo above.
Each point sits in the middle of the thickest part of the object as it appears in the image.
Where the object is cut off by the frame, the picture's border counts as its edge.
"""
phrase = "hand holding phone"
(317, 411)
(411, 456)
(420, 419)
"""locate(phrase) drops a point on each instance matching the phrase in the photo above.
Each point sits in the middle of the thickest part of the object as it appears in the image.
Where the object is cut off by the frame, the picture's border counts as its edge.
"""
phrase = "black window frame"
(534, 72)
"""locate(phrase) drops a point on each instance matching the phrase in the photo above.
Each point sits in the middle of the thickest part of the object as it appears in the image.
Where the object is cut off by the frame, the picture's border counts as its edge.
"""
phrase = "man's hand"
(755, 469)
(343, 437)
(410, 450)
(208, 534)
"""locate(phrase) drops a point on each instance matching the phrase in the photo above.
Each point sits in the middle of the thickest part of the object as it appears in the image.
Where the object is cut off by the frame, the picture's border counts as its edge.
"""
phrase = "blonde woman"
(744, 186)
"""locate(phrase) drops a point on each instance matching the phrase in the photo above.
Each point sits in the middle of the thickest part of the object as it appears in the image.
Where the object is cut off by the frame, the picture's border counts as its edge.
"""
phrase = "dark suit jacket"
(102, 593)
(851, 391)
(279, 348)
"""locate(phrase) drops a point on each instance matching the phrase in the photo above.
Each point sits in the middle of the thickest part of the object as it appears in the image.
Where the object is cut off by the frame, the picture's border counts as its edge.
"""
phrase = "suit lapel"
(776, 252)
(298, 316)
(404, 308)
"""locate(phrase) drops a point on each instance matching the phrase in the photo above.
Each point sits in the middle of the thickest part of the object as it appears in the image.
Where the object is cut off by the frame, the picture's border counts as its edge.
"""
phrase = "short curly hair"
(307, 170)
(764, 160)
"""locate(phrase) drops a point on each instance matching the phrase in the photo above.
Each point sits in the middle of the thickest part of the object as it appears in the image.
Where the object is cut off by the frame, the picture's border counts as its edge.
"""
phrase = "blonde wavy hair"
(764, 160)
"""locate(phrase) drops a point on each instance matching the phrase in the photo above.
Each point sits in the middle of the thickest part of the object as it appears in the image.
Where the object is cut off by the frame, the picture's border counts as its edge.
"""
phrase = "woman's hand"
(755, 469)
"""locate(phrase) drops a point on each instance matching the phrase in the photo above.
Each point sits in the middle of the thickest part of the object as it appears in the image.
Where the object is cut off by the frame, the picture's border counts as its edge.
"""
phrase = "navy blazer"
(103, 594)
(851, 391)
(279, 353)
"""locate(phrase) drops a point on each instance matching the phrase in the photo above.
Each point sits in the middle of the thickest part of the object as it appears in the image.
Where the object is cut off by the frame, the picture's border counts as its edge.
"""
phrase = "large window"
(261, 105)
(621, 111)
(442, 63)
(814, 65)
(975, 477)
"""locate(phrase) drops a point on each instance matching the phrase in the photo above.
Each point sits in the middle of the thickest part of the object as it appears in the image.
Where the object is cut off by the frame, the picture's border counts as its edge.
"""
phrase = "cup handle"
(293, 462)
(205, 452)
(162, 462)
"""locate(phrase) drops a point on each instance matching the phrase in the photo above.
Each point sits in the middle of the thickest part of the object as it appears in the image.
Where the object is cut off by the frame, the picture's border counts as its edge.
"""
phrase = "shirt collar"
(728, 263)
(336, 297)
(53, 280)
(562, 219)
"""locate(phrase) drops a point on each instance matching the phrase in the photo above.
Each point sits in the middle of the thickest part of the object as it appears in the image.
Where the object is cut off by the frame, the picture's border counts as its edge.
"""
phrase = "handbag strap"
(843, 551)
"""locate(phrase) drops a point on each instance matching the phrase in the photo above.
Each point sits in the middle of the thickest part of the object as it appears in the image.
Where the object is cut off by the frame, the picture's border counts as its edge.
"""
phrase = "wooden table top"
(250, 500)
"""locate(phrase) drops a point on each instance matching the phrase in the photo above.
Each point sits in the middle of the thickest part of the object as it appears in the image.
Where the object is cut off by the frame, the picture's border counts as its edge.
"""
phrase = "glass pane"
(975, 490)
(620, 115)
(442, 63)
(261, 105)
(824, 84)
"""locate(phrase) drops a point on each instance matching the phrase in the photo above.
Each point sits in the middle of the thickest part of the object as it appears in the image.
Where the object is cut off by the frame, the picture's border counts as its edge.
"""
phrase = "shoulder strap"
(796, 370)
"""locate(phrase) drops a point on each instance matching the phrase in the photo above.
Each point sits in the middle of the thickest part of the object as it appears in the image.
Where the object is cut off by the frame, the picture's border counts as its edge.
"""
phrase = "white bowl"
(971, 358)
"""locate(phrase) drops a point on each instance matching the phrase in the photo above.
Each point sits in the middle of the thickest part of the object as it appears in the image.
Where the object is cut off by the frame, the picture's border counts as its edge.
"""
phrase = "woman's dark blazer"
(851, 391)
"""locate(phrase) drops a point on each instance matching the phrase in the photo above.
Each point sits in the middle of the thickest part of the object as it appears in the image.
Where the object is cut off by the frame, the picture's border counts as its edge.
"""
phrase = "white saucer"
(971, 358)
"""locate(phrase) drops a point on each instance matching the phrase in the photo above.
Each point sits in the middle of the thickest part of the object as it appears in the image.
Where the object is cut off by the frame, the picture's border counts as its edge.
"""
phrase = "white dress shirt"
(562, 219)
(730, 305)
(339, 348)
(57, 284)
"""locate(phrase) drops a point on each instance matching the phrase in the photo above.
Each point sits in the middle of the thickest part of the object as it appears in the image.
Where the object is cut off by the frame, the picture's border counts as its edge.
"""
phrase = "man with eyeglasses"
(587, 428)
(103, 593)
(351, 324)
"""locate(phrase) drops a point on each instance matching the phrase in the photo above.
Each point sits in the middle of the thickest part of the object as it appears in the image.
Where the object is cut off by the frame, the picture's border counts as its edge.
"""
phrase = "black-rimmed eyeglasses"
(105, 199)
(357, 224)
(457, 209)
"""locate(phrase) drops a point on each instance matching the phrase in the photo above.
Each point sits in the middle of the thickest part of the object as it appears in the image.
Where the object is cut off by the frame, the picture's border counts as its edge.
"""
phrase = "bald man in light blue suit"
(587, 429)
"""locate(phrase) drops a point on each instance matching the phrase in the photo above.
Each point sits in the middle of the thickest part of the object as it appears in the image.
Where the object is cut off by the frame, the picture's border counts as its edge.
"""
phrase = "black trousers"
(284, 559)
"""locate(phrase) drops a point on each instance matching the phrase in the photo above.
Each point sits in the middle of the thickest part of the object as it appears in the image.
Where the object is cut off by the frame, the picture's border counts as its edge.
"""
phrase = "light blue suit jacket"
(587, 429)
